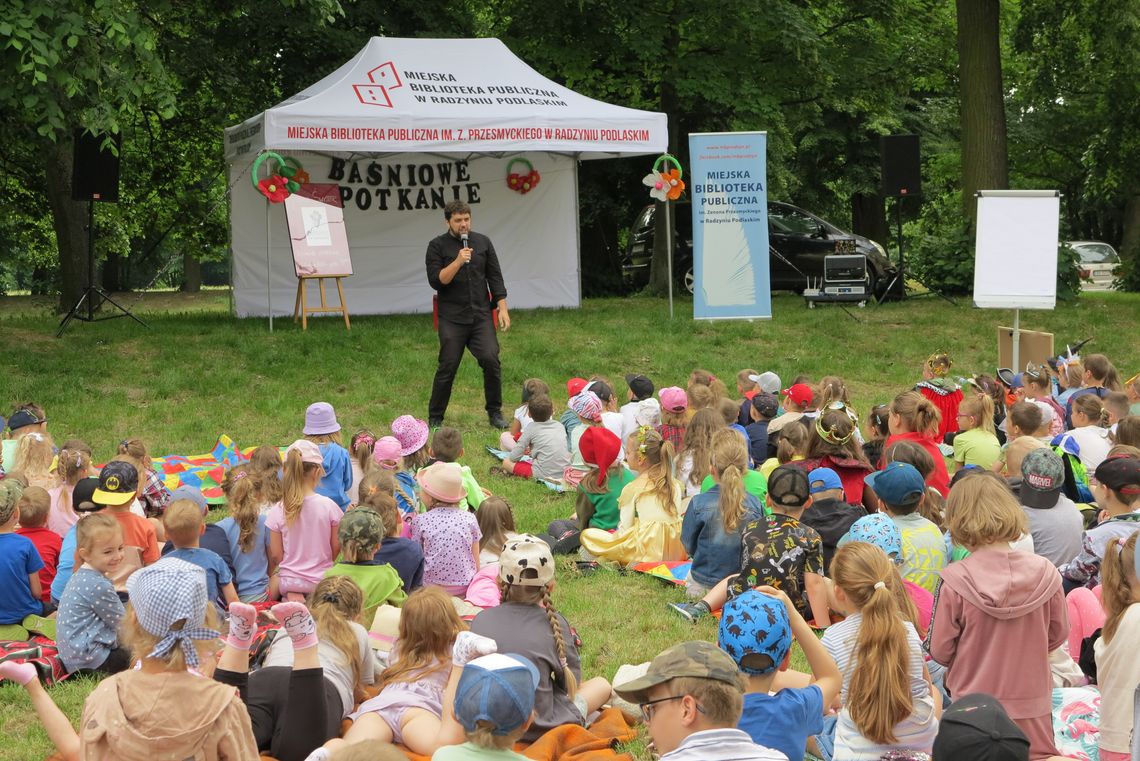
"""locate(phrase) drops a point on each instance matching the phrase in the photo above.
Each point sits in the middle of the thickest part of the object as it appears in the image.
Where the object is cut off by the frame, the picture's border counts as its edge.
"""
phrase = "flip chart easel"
(320, 248)
(1015, 264)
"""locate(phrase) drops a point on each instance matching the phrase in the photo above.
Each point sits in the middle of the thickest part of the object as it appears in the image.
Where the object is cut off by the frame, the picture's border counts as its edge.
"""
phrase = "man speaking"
(463, 268)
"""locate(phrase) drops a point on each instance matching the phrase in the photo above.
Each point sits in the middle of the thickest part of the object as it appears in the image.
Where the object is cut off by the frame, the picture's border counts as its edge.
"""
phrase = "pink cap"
(411, 432)
(674, 399)
(442, 481)
(309, 451)
(387, 448)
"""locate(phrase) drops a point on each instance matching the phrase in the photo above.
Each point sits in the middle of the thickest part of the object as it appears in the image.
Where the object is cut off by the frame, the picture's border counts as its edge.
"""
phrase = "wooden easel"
(301, 309)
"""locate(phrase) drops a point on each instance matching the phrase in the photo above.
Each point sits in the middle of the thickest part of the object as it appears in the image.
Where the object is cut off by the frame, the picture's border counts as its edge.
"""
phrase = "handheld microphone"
(463, 240)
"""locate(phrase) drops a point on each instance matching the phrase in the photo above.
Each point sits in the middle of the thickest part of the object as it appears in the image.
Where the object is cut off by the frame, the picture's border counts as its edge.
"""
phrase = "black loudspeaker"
(95, 171)
(902, 175)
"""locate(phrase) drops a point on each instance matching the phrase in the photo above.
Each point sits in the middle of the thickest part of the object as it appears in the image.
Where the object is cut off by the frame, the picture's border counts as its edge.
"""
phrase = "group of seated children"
(930, 588)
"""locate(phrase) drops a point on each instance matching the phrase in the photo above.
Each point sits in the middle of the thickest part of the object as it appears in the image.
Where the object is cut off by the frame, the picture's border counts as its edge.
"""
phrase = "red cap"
(800, 393)
(599, 447)
(574, 386)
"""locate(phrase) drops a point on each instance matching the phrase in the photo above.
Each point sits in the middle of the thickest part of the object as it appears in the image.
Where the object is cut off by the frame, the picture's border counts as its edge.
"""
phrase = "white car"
(1098, 264)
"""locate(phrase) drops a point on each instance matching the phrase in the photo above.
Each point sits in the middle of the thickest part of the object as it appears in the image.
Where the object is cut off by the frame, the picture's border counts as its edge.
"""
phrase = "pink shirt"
(62, 517)
(307, 541)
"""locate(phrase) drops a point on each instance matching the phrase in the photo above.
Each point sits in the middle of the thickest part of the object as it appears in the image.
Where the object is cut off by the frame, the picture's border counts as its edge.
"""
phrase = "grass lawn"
(197, 373)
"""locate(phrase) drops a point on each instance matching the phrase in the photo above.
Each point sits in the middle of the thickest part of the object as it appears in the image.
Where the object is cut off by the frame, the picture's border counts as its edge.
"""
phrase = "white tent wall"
(535, 235)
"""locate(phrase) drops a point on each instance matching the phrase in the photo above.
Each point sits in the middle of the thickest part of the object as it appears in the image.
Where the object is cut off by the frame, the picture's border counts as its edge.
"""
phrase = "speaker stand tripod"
(901, 276)
(93, 296)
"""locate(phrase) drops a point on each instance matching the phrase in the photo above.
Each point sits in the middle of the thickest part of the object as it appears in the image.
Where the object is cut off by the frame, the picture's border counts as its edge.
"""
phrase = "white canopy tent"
(404, 127)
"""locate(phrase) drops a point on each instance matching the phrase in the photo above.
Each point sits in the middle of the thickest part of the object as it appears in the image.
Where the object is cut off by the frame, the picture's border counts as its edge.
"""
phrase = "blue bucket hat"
(755, 624)
(879, 530)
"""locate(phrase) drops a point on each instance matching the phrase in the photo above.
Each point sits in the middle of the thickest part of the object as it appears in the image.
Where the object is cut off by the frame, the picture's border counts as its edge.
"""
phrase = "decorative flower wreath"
(279, 185)
(523, 183)
(667, 185)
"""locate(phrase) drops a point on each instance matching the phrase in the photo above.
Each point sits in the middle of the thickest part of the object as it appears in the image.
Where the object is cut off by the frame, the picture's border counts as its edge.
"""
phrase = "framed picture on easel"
(319, 242)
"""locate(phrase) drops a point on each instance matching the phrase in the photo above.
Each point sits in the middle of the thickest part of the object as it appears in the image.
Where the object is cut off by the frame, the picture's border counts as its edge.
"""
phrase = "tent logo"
(380, 80)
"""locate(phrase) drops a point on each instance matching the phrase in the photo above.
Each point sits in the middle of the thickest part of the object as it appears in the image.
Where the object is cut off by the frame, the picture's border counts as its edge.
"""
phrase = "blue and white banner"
(728, 183)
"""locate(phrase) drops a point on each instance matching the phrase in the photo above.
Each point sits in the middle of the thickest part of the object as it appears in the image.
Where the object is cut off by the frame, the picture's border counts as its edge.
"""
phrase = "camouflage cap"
(361, 526)
(697, 659)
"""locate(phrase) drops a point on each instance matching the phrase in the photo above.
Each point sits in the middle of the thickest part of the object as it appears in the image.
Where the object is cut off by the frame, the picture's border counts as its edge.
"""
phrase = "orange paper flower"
(674, 184)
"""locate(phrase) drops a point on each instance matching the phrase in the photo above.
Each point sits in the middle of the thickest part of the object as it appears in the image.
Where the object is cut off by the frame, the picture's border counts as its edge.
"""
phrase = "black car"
(797, 239)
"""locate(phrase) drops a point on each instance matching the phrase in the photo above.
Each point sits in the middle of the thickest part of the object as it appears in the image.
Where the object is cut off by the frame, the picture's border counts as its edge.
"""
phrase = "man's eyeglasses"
(648, 707)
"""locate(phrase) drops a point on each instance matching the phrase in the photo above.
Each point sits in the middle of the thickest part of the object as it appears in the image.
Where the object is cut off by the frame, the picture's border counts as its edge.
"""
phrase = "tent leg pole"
(1015, 349)
(669, 251)
(268, 271)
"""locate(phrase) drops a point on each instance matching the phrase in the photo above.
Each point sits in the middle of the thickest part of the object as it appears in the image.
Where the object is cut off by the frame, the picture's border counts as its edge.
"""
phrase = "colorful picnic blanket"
(39, 651)
(671, 571)
(1076, 722)
(204, 471)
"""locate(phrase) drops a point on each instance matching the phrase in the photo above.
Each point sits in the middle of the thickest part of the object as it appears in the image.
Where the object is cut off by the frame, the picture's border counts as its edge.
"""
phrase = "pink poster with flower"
(316, 231)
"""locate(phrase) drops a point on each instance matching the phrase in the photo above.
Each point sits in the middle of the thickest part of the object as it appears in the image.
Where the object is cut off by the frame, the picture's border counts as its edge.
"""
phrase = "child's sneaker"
(13, 632)
(690, 611)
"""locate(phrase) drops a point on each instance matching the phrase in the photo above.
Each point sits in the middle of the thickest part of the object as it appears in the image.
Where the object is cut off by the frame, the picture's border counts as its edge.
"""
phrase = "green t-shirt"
(976, 447)
(472, 752)
(379, 581)
(606, 510)
(754, 483)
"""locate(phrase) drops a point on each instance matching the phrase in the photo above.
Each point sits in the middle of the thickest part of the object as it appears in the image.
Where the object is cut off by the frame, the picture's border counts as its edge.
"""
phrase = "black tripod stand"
(93, 296)
(901, 275)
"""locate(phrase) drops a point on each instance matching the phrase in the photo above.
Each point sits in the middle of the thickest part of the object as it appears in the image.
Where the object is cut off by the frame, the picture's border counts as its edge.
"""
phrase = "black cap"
(765, 404)
(788, 486)
(978, 728)
(1120, 473)
(84, 492)
(118, 483)
(641, 386)
(22, 418)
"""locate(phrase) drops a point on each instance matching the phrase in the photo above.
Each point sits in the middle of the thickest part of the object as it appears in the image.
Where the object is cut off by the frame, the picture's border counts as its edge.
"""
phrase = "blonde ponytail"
(1116, 588)
(917, 412)
(294, 485)
(729, 461)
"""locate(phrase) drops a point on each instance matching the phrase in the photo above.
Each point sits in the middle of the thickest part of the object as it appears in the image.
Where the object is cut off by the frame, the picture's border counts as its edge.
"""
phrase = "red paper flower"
(274, 187)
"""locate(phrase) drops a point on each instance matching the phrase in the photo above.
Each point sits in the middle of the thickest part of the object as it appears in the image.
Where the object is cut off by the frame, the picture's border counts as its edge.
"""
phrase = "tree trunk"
(985, 154)
(1130, 243)
(69, 218)
(115, 273)
(869, 217)
(191, 273)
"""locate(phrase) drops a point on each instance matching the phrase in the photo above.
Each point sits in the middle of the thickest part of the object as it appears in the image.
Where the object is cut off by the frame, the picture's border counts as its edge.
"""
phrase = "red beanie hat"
(599, 447)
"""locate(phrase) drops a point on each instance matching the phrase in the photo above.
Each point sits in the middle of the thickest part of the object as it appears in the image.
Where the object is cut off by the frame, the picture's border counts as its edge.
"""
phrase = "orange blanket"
(573, 743)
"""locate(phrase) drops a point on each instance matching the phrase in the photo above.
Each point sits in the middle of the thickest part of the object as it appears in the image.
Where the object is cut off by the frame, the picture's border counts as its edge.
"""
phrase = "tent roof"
(450, 96)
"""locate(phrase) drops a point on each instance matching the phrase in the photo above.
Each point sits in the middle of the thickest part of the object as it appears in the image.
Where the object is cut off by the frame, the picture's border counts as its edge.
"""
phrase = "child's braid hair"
(556, 629)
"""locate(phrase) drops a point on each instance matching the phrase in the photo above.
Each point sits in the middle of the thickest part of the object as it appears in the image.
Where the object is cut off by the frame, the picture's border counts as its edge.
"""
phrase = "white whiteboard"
(1015, 261)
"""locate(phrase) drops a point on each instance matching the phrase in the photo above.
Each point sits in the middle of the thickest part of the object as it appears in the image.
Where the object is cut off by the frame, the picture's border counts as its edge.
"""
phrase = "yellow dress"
(645, 532)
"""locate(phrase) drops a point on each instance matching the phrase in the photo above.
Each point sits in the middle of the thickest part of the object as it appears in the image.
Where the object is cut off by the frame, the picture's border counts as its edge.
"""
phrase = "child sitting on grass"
(829, 515)
(118, 489)
(674, 415)
(322, 428)
(901, 489)
(1118, 669)
(494, 702)
(448, 534)
(404, 554)
(34, 507)
(1117, 492)
(246, 537)
(90, 612)
(976, 442)
(588, 408)
(155, 496)
(778, 551)
(72, 465)
(757, 629)
(213, 536)
(21, 598)
(521, 419)
(447, 446)
(360, 532)
(184, 525)
(412, 435)
(692, 697)
(544, 440)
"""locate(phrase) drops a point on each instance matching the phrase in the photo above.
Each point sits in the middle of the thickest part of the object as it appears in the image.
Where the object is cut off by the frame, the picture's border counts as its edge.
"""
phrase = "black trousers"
(479, 338)
(293, 712)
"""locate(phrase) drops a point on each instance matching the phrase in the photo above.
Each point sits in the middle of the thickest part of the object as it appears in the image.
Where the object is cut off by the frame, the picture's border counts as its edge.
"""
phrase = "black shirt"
(465, 297)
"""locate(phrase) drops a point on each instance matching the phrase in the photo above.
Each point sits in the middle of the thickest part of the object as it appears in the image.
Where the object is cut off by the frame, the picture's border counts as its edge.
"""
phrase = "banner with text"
(729, 190)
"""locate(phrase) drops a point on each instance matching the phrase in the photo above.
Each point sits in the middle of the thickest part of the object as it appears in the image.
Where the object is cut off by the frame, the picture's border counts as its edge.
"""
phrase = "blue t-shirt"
(65, 566)
(251, 569)
(716, 554)
(213, 539)
(406, 556)
(19, 559)
(217, 574)
(88, 620)
(338, 474)
(783, 721)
